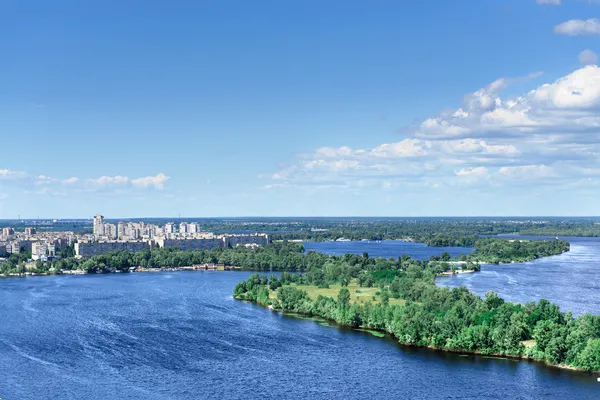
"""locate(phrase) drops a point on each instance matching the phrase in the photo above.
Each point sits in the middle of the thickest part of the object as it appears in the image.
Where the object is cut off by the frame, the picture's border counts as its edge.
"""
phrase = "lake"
(180, 335)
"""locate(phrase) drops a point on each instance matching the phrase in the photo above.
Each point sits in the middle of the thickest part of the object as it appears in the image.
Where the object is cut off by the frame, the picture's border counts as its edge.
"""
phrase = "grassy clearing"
(528, 343)
(357, 293)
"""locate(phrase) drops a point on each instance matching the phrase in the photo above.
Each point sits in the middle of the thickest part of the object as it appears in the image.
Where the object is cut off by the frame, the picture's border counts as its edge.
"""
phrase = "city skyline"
(272, 110)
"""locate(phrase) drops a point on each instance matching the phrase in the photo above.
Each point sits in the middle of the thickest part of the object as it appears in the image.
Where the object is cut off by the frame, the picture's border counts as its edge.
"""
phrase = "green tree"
(344, 297)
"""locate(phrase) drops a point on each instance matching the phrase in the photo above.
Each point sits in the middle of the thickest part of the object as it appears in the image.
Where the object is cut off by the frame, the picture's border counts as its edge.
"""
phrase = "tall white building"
(8, 232)
(183, 227)
(99, 225)
(170, 228)
(121, 227)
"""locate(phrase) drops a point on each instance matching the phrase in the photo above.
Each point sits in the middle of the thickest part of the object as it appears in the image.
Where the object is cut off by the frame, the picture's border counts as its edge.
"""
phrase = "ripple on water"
(143, 346)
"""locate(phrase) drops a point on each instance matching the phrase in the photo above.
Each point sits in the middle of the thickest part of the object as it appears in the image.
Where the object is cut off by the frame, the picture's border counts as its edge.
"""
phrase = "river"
(572, 279)
(180, 335)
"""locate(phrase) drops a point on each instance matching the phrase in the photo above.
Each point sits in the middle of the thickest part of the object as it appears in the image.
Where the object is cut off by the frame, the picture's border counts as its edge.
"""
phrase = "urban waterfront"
(182, 336)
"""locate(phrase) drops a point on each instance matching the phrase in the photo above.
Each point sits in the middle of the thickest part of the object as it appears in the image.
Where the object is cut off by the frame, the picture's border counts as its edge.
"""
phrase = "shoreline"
(439, 349)
(144, 270)
(237, 268)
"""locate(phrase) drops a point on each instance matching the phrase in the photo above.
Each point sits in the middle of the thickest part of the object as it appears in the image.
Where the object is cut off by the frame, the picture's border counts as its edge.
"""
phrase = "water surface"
(572, 279)
(385, 248)
(181, 336)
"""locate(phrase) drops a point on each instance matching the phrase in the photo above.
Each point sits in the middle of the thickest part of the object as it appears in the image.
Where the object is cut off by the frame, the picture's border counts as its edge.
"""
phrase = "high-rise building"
(170, 228)
(183, 227)
(110, 231)
(8, 232)
(122, 228)
(99, 225)
(29, 231)
(38, 250)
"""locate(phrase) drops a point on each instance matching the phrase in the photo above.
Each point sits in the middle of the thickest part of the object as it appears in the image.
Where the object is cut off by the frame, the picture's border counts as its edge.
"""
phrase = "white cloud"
(588, 57)
(157, 182)
(6, 174)
(550, 134)
(551, 2)
(43, 180)
(471, 145)
(70, 181)
(529, 172)
(108, 181)
(544, 110)
(405, 148)
(25, 180)
(477, 171)
(472, 175)
(576, 27)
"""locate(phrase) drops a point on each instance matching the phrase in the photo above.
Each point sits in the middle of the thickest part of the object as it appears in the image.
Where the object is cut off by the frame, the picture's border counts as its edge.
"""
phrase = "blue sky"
(299, 108)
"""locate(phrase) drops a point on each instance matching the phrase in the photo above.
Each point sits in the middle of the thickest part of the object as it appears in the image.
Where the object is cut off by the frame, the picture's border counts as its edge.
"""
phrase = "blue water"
(572, 279)
(182, 336)
(385, 249)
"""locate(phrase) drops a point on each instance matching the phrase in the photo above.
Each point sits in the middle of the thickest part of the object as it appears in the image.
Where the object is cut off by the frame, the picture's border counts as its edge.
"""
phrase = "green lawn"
(357, 293)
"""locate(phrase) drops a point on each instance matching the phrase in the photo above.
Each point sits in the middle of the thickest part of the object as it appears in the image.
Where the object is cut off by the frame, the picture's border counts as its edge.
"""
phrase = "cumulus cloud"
(157, 182)
(472, 175)
(570, 101)
(549, 134)
(577, 27)
(107, 181)
(588, 57)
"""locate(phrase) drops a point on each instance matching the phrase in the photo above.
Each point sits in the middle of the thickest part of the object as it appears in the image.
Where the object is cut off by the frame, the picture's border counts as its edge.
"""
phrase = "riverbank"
(457, 272)
(116, 271)
(384, 332)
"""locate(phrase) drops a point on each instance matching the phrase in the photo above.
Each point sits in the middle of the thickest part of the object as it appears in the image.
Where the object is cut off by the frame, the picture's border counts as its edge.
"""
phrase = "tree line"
(442, 318)
(283, 256)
